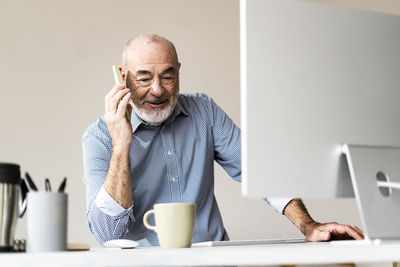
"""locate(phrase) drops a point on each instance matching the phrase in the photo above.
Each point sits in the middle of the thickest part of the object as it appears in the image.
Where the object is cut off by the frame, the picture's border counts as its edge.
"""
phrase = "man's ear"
(179, 66)
(122, 73)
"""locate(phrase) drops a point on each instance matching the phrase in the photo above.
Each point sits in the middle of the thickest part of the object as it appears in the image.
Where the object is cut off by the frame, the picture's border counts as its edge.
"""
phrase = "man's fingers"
(115, 100)
(351, 232)
(330, 231)
(341, 229)
(111, 93)
(114, 90)
(123, 104)
(358, 230)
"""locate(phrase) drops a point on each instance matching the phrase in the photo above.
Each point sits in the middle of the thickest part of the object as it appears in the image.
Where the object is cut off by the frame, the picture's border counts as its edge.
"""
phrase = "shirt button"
(173, 179)
(169, 153)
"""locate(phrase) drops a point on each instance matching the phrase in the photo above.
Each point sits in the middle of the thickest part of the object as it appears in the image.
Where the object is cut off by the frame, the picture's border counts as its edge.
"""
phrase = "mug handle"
(23, 189)
(145, 220)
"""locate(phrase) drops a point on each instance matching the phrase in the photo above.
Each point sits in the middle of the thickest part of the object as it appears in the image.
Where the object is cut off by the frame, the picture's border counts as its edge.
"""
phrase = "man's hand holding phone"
(117, 117)
(118, 181)
(116, 106)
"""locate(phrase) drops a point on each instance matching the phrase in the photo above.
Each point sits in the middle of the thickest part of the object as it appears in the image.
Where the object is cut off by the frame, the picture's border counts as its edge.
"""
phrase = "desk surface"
(306, 253)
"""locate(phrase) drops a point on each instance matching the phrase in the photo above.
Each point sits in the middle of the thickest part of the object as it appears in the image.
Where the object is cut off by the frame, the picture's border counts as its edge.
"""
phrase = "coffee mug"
(174, 224)
(46, 221)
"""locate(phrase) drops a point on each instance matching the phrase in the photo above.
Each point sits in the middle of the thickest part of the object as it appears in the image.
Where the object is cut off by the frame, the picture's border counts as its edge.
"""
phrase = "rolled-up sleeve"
(278, 203)
(106, 218)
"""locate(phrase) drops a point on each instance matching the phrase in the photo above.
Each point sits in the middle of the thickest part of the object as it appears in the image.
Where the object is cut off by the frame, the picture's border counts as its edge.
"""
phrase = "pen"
(62, 185)
(30, 182)
(47, 185)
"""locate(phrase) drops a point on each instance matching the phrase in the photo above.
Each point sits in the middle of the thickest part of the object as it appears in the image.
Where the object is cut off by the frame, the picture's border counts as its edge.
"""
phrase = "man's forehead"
(151, 54)
(154, 67)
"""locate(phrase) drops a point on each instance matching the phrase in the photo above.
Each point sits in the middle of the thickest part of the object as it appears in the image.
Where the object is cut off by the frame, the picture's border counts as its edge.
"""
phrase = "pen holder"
(46, 221)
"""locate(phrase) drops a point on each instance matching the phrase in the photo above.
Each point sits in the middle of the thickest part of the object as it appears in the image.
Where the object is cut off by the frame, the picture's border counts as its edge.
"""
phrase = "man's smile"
(156, 104)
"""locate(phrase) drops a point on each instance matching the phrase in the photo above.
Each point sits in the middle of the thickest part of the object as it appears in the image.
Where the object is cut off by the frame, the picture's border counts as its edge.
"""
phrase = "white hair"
(154, 118)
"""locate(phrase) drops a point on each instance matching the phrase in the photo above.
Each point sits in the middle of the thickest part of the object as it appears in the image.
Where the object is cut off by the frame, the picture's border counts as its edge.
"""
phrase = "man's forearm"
(298, 214)
(118, 179)
(315, 231)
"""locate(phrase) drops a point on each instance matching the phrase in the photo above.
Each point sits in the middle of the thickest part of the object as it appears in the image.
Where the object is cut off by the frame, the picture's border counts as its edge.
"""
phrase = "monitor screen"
(314, 77)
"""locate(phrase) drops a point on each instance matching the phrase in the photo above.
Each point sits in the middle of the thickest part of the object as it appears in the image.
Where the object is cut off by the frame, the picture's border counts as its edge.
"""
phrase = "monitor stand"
(375, 175)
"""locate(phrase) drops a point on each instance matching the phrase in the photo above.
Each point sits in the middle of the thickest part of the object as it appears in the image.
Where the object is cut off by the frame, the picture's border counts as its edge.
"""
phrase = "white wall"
(55, 69)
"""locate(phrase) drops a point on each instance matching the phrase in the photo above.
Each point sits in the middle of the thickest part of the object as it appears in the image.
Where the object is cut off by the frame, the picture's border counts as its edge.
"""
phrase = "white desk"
(306, 253)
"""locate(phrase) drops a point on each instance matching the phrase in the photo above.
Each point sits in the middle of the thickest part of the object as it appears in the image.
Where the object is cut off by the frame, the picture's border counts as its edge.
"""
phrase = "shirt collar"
(135, 121)
(180, 108)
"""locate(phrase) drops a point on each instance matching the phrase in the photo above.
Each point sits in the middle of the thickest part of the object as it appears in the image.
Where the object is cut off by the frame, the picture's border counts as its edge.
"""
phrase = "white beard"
(154, 118)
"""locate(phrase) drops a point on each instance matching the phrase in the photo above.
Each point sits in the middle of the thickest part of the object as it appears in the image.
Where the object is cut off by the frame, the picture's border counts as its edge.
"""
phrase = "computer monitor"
(314, 77)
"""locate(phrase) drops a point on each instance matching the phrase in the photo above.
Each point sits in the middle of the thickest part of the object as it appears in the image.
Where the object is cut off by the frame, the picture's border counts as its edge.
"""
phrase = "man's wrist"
(298, 214)
(307, 225)
(121, 149)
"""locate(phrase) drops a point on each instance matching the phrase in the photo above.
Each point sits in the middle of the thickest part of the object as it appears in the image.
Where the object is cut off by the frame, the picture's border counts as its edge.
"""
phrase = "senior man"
(166, 153)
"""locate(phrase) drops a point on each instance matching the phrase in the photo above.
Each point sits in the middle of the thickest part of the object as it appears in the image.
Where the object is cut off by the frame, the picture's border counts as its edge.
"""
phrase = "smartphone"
(118, 81)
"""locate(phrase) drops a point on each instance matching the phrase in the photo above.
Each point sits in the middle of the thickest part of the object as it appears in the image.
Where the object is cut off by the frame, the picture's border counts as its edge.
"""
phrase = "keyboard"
(249, 242)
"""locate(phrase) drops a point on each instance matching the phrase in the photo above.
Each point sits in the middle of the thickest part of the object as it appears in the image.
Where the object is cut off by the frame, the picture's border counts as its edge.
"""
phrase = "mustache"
(155, 100)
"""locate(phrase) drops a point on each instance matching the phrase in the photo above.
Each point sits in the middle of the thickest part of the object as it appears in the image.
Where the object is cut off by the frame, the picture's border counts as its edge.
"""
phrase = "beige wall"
(384, 6)
(55, 69)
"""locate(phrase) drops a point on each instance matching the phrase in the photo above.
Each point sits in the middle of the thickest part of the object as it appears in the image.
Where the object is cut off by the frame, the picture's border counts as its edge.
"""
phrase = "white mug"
(174, 224)
(46, 221)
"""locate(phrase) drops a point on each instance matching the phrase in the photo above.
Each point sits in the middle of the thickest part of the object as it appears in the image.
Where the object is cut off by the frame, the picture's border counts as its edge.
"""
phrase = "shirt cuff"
(108, 205)
(278, 203)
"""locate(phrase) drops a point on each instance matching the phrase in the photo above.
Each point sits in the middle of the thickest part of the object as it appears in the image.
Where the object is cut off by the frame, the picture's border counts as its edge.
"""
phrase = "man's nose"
(156, 88)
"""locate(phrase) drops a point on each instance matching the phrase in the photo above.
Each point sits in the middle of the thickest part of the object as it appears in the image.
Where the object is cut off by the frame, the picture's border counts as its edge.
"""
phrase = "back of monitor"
(312, 78)
(375, 173)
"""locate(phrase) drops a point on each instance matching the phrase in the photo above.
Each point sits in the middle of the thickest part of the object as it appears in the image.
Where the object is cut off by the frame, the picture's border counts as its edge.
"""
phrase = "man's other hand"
(315, 231)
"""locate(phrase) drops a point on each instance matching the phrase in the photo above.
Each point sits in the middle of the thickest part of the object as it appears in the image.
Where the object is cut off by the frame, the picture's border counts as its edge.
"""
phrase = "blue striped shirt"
(173, 162)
